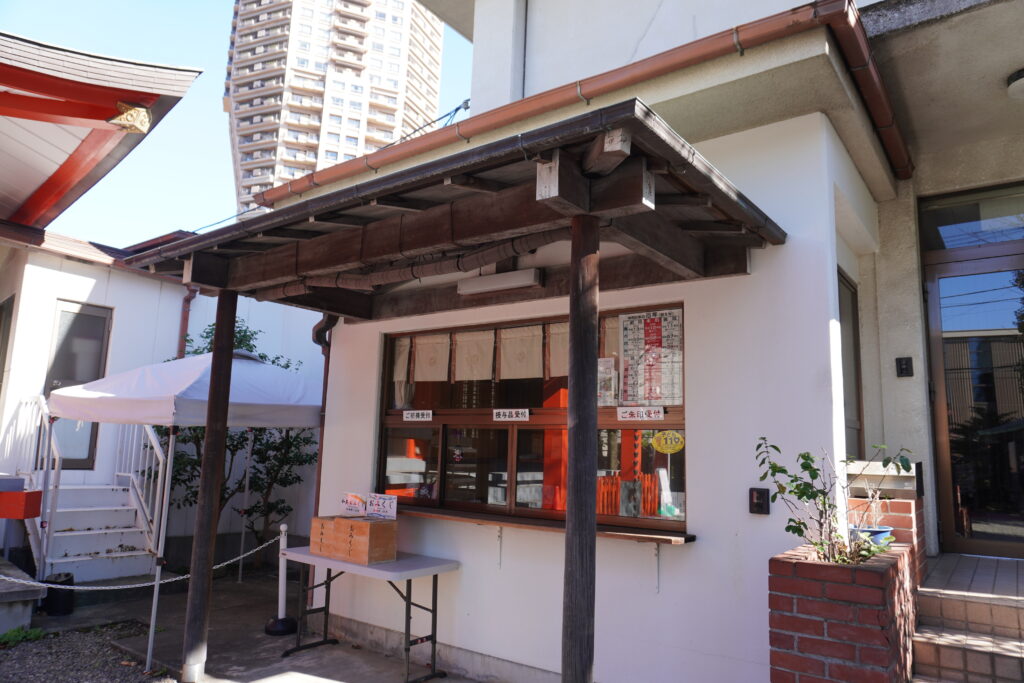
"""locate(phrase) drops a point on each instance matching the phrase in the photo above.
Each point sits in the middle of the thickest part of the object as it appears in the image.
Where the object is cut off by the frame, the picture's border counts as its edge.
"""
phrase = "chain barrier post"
(282, 624)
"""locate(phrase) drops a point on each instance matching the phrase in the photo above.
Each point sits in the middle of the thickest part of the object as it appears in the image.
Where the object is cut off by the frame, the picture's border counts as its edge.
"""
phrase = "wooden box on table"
(362, 540)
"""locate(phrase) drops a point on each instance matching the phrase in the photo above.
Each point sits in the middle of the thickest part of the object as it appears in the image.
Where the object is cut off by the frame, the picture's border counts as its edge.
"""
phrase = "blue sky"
(179, 178)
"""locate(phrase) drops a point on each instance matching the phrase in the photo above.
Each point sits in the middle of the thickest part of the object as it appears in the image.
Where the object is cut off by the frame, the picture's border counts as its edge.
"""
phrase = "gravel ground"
(85, 656)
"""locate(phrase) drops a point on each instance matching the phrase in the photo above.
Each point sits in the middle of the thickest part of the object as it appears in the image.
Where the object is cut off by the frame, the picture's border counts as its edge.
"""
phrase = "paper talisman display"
(652, 358)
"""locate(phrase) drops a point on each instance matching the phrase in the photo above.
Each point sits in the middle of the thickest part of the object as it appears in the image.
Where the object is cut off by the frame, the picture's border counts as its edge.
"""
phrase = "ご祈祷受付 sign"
(417, 415)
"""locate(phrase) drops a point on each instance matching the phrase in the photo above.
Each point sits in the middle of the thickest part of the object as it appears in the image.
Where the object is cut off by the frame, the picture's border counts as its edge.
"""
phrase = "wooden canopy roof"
(346, 251)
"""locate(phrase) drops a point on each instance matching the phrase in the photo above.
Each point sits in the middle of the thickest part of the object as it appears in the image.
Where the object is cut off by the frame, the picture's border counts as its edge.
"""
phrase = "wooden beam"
(41, 206)
(211, 477)
(628, 191)
(64, 112)
(352, 306)
(475, 184)
(688, 199)
(618, 272)
(289, 233)
(404, 205)
(717, 227)
(607, 151)
(202, 268)
(336, 222)
(656, 239)
(580, 570)
(169, 266)
(473, 220)
(562, 186)
(725, 260)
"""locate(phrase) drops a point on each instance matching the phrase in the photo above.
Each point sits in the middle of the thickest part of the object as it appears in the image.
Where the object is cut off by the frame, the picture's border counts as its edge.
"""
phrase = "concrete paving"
(239, 651)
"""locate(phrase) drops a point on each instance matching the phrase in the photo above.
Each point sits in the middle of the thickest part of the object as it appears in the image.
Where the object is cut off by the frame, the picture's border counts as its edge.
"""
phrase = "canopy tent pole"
(161, 539)
(197, 615)
(245, 498)
(581, 487)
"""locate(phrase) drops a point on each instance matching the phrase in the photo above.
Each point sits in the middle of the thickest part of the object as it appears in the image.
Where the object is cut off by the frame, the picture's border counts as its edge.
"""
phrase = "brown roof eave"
(651, 134)
(841, 16)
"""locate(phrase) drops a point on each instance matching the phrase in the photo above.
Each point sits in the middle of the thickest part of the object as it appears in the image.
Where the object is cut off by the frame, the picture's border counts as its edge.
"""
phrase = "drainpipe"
(186, 309)
(322, 338)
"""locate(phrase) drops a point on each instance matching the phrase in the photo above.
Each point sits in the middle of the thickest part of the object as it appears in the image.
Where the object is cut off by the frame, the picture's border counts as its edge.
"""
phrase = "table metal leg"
(408, 624)
(432, 638)
(304, 593)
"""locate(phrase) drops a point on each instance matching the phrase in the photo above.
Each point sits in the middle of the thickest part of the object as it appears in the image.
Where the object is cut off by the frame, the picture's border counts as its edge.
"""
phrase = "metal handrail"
(29, 447)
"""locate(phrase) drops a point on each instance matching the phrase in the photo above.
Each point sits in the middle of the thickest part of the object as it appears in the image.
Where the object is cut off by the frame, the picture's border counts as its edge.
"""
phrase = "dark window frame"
(540, 418)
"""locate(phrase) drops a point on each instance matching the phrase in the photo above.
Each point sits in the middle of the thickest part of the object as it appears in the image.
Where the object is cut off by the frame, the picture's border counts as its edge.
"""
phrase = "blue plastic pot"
(877, 534)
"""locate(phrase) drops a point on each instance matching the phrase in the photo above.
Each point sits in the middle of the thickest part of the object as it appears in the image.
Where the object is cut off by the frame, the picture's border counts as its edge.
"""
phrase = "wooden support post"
(581, 501)
(197, 615)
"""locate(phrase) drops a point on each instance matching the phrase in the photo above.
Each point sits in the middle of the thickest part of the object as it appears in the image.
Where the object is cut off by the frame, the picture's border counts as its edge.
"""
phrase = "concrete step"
(956, 655)
(982, 613)
(104, 566)
(86, 518)
(102, 541)
(92, 496)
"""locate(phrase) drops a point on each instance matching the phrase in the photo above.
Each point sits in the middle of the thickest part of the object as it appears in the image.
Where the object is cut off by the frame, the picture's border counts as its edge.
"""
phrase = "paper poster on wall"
(652, 358)
(607, 381)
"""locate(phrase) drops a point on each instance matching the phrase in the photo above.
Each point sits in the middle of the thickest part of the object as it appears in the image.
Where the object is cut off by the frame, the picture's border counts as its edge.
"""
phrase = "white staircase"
(94, 532)
(96, 535)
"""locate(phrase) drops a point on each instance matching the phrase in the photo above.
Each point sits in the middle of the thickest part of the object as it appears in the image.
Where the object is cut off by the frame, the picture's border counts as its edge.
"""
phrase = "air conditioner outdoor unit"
(514, 279)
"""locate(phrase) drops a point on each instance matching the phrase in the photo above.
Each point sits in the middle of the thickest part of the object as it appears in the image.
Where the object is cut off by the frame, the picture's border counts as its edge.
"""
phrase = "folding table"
(405, 568)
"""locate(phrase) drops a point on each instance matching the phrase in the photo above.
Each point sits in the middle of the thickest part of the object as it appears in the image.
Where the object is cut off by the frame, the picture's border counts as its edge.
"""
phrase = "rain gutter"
(841, 16)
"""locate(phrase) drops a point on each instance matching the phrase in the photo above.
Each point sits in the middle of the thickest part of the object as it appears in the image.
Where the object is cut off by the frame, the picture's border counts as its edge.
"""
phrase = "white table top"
(407, 566)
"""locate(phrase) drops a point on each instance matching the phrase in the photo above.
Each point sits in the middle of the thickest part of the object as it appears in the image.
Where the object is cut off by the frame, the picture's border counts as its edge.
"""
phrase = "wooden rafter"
(473, 220)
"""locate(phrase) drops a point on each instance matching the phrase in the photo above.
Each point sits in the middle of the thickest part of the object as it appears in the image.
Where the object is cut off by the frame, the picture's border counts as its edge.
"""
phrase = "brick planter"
(906, 517)
(833, 622)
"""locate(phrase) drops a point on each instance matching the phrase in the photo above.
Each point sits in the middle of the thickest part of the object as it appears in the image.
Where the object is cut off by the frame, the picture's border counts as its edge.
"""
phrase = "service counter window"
(475, 419)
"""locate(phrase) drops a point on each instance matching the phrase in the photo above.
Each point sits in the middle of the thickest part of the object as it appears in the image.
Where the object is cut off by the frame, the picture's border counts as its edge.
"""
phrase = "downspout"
(186, 310)
(322, 338)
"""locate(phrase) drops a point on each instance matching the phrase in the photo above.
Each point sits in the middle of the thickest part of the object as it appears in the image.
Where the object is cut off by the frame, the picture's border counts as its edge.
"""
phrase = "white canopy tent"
(174, 394)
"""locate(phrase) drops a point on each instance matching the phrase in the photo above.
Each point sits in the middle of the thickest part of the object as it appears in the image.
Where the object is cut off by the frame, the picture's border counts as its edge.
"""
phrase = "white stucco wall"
(761, 359)
(12, 266)
(566, 40)
(145, 320)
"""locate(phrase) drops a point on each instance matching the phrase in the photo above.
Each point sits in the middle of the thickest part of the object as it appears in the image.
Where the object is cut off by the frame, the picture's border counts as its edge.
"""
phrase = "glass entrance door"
(976, 315)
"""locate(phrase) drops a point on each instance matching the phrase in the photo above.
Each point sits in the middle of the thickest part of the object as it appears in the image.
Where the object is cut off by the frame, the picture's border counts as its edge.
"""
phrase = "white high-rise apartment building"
(312, 83)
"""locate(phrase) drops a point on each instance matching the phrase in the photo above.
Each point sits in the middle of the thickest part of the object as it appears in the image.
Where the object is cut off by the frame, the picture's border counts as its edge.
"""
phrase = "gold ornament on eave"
(133, 118)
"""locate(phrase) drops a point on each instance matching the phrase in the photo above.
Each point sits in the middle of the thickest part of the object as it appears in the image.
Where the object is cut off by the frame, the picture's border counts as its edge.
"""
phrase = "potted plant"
(841, 607)
(864, 522)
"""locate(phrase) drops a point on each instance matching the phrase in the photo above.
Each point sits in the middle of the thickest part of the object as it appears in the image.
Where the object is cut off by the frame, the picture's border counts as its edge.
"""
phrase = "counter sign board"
(512, 415)
(417, 415)
(630, 414)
